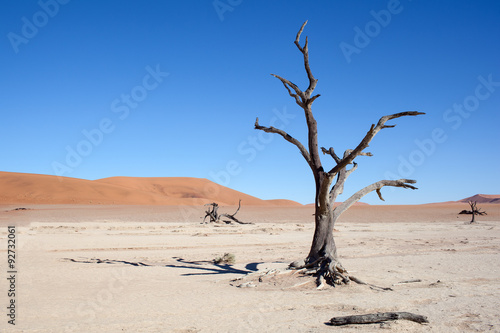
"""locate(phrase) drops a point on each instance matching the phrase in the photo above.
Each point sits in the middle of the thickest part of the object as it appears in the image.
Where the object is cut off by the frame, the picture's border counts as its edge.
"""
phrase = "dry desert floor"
(150, 269)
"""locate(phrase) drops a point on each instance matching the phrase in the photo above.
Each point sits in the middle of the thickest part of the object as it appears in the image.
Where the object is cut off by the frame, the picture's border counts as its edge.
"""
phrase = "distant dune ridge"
(26, 188)
(483, 198)
(17, 188)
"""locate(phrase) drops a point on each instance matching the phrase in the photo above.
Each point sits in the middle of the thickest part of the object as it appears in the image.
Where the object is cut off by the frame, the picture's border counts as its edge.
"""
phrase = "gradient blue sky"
(75, 66)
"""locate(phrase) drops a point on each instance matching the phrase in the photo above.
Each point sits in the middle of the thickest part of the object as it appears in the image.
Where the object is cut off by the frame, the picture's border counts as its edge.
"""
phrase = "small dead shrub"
(227, 258)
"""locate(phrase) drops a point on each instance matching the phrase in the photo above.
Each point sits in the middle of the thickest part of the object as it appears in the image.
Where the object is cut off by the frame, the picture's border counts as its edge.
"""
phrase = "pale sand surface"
(148, 269)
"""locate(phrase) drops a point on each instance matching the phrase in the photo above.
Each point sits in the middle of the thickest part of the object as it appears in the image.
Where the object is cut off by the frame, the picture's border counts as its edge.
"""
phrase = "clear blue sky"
(93, 89)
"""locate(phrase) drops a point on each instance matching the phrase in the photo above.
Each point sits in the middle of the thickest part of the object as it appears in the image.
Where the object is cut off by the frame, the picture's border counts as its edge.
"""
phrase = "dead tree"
(473, 211)
(215, 217)
(212, 212)
(322, 259)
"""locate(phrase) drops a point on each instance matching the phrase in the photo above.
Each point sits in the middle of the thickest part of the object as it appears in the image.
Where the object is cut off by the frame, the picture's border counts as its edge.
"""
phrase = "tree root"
(372, 286)
(327, 270)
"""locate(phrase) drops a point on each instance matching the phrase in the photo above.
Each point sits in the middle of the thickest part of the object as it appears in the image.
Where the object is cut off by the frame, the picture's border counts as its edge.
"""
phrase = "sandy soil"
(149, 269)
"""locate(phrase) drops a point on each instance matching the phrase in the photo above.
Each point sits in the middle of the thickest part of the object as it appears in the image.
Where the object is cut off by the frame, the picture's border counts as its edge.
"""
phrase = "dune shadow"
(214, 268)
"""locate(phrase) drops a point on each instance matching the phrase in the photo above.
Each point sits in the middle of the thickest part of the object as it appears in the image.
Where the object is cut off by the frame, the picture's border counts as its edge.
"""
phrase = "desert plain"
(84, 267)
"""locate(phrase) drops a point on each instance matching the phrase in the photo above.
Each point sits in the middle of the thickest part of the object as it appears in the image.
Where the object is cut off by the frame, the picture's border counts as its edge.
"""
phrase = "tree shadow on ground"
(213, 268)
(106, 261)
(206, 267)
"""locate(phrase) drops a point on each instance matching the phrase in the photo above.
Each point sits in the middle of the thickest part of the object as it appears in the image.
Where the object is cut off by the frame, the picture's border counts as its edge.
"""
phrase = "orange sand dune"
(483, 198)
(45, 189)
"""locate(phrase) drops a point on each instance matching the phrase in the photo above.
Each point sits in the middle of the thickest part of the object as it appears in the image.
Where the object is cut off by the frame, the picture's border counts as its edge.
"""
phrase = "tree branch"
(368, 138)
(337, 159)
(338, 188)
(305, 52)
(287, 137)
(297, 38)
(299, 95)
(404, 183)
(313, 98)
(306, 102)
(348, 151)
(332, 153)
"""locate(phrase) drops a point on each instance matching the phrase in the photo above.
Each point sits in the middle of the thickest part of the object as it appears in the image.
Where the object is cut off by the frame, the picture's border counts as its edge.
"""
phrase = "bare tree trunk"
(323, 243)
(323, 252)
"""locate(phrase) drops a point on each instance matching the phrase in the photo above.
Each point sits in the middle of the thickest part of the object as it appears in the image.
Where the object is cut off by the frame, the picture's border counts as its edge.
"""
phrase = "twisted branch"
(404, 183)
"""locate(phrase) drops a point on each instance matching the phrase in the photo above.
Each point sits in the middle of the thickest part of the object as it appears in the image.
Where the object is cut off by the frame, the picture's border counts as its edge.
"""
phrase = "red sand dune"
(45, 189)
(483, 198)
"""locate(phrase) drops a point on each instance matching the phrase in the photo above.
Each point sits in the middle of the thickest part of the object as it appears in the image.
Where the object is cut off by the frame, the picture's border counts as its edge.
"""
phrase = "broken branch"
(374, 318)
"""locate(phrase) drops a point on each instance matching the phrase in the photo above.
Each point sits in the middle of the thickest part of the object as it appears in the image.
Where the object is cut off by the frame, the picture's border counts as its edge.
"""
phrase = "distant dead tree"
(212, 212)
(215, 217)
(322, 260)
(474, 210)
